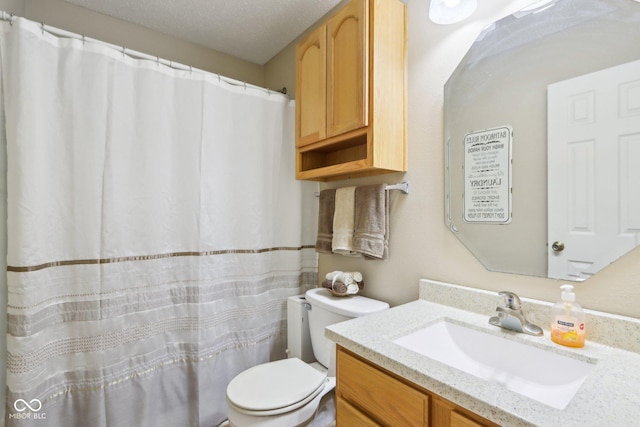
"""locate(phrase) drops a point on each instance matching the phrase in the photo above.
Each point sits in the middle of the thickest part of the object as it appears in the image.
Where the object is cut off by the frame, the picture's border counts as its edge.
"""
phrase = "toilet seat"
(275, 387)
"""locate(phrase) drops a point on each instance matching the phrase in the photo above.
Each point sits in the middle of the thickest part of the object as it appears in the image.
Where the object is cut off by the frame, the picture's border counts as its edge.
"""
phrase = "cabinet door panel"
(447, 414)
(311, 92)
(382, 397)
(459, 420)
(347, 75)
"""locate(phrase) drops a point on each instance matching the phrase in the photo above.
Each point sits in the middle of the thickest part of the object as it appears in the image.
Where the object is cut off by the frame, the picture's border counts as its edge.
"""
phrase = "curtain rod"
(10, 17)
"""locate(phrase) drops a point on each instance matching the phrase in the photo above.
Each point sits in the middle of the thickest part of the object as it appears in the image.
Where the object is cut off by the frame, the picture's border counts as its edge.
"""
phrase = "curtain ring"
(42, 27)
(11, 16)
(83, 39)
(245, 85)
(157, 61)
(190, 69)
(124, 48)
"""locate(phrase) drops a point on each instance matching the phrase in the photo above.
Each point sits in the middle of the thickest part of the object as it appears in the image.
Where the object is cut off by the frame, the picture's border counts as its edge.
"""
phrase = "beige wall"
(421, 246)
(280, 71)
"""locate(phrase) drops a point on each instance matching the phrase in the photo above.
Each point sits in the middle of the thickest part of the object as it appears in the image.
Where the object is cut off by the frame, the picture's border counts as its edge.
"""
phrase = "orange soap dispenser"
(568, 320)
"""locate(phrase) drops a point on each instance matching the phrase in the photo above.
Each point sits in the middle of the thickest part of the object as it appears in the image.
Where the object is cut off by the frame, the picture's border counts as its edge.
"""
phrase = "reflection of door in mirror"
(593, 170)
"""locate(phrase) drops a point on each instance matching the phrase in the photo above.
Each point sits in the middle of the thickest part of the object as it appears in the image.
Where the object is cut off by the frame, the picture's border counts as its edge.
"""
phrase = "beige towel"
(343, 219)
(325, 221)
(371, 236)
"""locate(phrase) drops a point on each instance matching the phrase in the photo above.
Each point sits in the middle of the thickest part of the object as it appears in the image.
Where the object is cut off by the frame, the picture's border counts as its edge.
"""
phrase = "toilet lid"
(275, 385)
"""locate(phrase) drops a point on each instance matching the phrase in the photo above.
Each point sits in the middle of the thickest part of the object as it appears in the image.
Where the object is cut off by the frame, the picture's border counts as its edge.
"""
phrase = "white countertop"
(610, 396)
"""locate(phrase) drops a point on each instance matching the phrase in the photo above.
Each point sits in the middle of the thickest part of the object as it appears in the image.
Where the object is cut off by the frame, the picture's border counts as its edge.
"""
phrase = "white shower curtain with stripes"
(155, 230)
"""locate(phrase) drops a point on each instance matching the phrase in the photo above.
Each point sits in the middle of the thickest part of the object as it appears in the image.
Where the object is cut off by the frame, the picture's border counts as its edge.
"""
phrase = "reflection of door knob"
(557, 246)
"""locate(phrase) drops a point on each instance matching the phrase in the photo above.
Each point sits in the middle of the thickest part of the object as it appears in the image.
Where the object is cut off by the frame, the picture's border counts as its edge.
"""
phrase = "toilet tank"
(326, 309)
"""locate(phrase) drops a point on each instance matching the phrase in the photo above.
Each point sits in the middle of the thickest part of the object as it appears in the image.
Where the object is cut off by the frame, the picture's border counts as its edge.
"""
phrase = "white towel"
(343, 222)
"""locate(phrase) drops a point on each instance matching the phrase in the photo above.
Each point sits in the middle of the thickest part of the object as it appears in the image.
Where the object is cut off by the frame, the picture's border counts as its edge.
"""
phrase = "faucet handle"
(511, 300)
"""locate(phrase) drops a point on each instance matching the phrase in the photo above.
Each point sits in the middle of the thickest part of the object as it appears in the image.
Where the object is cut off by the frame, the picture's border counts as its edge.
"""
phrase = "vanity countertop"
(609, 396)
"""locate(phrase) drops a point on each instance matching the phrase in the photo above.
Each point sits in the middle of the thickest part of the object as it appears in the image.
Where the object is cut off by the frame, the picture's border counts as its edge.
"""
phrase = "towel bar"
(403, 187)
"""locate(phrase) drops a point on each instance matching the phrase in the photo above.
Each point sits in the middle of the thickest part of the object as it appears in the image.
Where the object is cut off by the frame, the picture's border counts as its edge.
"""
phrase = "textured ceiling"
(253, 30)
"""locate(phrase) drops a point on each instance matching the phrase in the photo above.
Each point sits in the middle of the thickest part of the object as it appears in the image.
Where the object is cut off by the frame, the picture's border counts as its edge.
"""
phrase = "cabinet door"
(311, 89)
(386, 400)
(347, 71)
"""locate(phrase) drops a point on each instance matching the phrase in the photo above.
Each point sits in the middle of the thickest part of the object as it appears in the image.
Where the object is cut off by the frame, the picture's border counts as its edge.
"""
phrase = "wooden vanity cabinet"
(351, 93)
(368, 395)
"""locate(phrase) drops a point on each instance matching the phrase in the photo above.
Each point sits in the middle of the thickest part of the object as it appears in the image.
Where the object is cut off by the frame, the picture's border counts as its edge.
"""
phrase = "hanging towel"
(325, 221)
(371, 235)
(343, 221)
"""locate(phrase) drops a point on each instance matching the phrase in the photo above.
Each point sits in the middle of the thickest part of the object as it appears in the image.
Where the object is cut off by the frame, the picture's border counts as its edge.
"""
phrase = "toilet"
(288, 392)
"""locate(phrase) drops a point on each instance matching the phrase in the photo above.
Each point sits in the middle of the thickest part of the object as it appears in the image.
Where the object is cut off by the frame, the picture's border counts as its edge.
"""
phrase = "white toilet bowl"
(277, 394)
(288, 393)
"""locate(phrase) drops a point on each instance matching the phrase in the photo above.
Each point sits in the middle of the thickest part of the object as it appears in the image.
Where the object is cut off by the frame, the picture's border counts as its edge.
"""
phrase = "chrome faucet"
(511, 316)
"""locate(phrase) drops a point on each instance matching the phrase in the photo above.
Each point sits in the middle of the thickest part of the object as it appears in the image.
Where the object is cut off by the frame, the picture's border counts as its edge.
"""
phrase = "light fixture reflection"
(535, 7)
(451, 11)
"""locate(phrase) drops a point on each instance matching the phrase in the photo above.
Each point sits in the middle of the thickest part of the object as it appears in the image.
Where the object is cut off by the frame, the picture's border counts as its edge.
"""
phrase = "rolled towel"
(337, 288)
(347, 277)
(332, 274)
(351, 278)
(342, 283)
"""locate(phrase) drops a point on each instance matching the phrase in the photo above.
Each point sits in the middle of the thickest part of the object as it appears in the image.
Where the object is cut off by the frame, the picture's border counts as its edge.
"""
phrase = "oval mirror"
(542, 134)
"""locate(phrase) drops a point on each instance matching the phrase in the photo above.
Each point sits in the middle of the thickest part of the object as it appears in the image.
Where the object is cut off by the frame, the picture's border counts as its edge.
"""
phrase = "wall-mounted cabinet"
(351, 93)
(367, 395)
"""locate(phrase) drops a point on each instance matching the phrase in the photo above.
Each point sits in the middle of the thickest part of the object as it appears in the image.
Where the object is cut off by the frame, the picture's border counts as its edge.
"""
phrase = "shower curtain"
(155, 230)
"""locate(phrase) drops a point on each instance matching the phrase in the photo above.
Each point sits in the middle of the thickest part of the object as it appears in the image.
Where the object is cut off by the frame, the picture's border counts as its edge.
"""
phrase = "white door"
(593, 170)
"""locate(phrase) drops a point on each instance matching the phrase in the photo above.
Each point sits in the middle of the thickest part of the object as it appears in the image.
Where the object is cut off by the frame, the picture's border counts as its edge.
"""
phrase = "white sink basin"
(549, 378)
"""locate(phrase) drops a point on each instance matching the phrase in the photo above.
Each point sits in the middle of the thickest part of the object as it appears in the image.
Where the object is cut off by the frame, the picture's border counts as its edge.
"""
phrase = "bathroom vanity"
(380, 382)
(369, 395)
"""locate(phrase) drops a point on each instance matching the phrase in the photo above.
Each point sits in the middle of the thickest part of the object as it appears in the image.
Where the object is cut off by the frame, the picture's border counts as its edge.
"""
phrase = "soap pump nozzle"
(567, 293)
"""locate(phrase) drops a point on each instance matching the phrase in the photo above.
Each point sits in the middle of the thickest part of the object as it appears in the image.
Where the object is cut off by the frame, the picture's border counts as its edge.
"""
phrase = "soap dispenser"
(568, 320)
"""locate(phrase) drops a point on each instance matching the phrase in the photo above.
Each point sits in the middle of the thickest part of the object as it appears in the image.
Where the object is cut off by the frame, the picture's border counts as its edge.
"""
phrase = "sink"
(548, 377)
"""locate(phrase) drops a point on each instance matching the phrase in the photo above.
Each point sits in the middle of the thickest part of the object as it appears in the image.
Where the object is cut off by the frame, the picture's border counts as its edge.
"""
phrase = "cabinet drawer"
(383, 398)
(459, 420)
(447, 414)
(347, 415)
